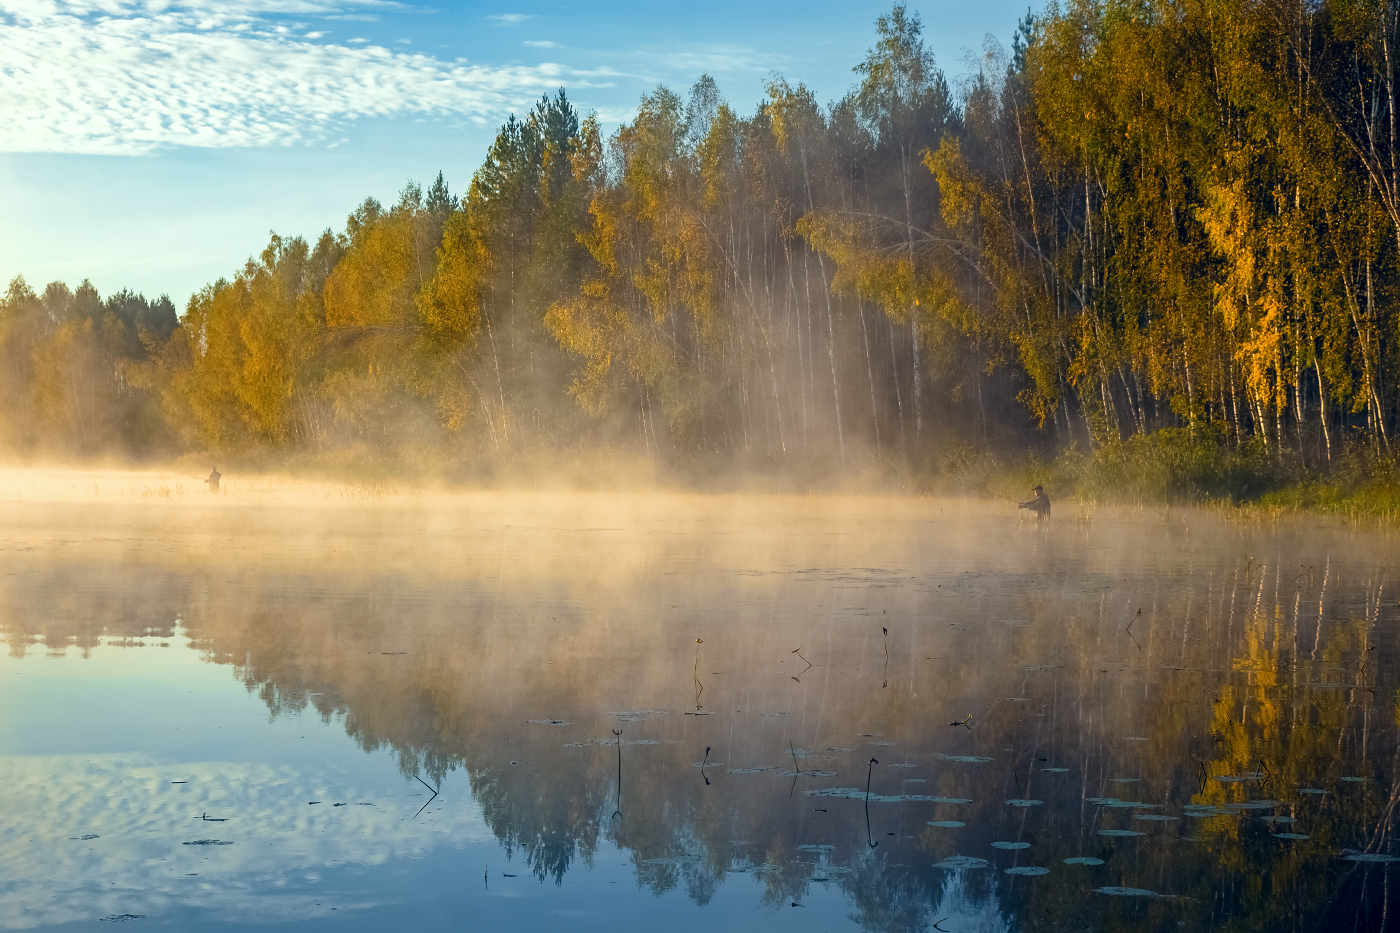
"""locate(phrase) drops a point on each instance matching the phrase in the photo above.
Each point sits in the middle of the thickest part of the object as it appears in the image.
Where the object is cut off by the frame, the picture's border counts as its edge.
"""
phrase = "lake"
(332, 707)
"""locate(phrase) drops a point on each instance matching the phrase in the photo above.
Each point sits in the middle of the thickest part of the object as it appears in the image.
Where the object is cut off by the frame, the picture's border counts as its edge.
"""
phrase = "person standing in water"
(213, 479)
(1039, 504)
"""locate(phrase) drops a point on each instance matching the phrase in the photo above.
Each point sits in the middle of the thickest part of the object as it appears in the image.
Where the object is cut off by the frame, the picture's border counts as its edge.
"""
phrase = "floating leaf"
(1154, 816)
(1312, 790)
(946, 824)
(968, 759)
(1011, 845)
(1054, 770)
(816, 848)
(1025, 803)
(1353, 780)
(1370, 857)
(858, 794)
(1120, 832)
(1278, 819)
(1127, 892)
(1289, 836)
(1031, 870)
(1083, 860)
(962, 861)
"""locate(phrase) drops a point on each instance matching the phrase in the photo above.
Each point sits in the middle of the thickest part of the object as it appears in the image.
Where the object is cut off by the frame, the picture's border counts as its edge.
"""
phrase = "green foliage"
(1157, 246)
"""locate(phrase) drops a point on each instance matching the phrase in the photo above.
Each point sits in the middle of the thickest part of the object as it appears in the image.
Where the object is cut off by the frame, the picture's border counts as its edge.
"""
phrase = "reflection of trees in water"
(1220, 672)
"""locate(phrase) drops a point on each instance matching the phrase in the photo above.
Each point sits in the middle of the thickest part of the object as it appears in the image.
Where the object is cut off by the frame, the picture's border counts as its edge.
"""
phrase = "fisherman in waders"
(213, 479)
(1039, 504)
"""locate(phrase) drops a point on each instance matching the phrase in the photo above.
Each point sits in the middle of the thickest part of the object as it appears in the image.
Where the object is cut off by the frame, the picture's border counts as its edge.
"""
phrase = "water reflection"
(929, 713)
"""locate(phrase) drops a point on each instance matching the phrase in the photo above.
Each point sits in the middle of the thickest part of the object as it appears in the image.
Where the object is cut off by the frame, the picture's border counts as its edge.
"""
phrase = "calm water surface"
(305, 707)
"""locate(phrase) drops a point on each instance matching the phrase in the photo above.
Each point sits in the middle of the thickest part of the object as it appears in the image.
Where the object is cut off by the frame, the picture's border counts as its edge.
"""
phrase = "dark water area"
(603, 712)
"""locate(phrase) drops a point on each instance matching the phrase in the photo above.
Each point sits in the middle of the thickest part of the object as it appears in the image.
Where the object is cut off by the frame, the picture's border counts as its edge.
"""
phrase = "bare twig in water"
(964, 722)
(798, 652)
(939, 928)
(695, 673)
(702, 766)
(430, 799)
(869, 770)
(1132, 620)
(618, 812)
(887, 657)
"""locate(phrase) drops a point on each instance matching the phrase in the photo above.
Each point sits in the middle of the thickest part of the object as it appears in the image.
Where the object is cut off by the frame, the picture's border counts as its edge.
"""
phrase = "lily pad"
(1353, 780)
(1125, 780)
(1204, 811)
(856, 793)
(1312, 790)
(1120, 832)
(1054, 770)
(1127, 892)
(1011, 845)
(966, 759)
(1083, 860)
(816, 848)
(946, 824)
(1289, 836)
(962, 861)
(1025, 803)
(1155, 816)
(1122, 804)
(1370, 857)
(1253, 805)
(1031, 870)
(1278, 819)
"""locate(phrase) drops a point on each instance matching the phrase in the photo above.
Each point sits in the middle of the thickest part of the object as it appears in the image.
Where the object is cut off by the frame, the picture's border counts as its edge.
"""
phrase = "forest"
(1152, 235)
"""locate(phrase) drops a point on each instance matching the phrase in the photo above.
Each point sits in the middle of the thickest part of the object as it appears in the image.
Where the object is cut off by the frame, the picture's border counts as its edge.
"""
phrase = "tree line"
(1146, 215)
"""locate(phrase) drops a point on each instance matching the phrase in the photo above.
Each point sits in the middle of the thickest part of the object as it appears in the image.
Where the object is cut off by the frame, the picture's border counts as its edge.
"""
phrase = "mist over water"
(339, 707)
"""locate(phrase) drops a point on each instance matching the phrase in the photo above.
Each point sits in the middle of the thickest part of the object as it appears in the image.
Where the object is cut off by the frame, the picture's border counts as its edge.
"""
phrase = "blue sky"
(153, 144)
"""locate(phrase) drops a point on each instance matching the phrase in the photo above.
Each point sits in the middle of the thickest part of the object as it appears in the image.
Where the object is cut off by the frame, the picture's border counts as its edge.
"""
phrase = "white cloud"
(134, 76)
(139, 822)
(510, 19)
(542, 44)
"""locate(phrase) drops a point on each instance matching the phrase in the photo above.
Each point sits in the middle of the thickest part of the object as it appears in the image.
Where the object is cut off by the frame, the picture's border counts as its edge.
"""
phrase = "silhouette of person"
(213, 479)
(1039, 504)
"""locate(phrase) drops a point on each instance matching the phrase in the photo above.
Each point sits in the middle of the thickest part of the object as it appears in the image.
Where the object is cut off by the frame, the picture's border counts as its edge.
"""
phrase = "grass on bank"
(1178, 466)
